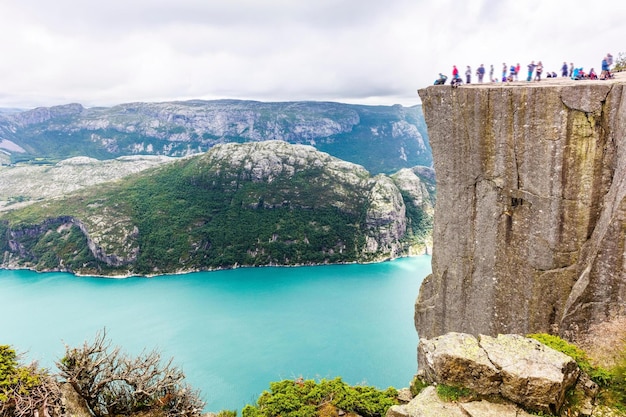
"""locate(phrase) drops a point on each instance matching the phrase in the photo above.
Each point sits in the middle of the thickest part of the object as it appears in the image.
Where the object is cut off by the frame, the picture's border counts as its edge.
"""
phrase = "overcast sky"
(106, 52)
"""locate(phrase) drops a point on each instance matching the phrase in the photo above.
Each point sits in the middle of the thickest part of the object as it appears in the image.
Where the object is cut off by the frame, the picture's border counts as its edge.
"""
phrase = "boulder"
(458, 359)
(518, 369)
(489, 409)
(533, 375)
(404, 395)
(426, 404)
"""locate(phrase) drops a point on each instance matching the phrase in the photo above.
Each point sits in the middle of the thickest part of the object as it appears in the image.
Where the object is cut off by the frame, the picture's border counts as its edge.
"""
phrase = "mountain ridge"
(381, 138)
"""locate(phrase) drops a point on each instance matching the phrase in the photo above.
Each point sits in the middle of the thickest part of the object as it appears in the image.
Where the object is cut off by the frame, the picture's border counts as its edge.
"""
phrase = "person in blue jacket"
(531, 69)
(605, 69)
(480, 72)
(441, 80)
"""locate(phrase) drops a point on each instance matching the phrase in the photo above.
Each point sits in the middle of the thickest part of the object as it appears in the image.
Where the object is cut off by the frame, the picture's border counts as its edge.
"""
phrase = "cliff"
(530, 218)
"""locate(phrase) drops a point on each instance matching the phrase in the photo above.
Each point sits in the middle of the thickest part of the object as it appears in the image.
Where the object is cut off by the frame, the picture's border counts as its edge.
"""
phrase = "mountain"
(530, 222)
(381, 138)
(260, 203)
(25, 184)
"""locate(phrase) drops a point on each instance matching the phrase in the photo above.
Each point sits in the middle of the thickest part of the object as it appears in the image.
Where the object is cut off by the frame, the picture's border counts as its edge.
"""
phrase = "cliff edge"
(530, 218)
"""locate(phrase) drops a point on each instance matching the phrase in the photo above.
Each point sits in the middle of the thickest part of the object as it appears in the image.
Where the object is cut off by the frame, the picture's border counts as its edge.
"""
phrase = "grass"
(611, 378)
(451, 393)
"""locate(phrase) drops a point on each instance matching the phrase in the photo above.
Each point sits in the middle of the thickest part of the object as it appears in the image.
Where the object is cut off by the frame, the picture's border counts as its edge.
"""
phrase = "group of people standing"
(511, 73)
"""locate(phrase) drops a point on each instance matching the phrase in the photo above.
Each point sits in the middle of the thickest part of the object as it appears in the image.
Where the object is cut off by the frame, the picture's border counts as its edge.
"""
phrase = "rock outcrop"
(530, 219)
(429, 404)
(499, 376)
(518, 369)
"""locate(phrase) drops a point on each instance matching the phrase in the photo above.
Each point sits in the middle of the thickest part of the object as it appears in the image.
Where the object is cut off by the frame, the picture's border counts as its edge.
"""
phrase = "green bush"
(13, 377)
(227, 413)
(417, 385)
(611, 381)
(563, 346)
(307, 398)
(25, 389)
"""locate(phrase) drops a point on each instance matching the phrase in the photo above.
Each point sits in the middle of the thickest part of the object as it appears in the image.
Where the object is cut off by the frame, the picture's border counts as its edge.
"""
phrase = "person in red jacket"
(455, 72)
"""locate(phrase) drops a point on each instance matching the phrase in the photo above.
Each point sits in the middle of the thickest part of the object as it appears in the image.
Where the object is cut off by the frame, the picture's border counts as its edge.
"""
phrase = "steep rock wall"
(530, 219)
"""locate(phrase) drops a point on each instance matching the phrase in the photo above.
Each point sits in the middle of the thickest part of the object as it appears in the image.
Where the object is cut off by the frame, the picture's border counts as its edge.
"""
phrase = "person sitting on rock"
(512, 73)
(592, 74)
(441, 80)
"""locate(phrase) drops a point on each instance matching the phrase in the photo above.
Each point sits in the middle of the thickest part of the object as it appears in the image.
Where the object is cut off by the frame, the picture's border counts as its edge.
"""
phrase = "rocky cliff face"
(530, 221)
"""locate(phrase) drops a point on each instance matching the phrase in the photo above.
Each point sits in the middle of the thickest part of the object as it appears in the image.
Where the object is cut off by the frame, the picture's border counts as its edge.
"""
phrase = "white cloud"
(359, 51)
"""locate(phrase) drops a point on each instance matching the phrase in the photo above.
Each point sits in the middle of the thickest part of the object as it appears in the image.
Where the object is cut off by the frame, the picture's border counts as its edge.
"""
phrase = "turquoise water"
(235, 331)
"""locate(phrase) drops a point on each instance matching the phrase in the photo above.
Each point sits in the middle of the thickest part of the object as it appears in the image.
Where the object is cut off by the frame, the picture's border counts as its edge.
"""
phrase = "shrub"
(26, 390)
(227, 413)
(307, 398)
(563, 346)
(417, 385)
(620, 63)
(611, 381)
(112, 383)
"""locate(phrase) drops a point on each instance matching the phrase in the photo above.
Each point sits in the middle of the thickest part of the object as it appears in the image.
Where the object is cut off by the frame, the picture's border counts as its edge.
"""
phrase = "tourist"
(531, 69)
(441, 80)
(468, 75)
(517, 69)
(455, 72)
(609, 60)
(538, 71)
(511, 73)
(605, 74)
(571, 69)
(480, 73)
(592, 74)
(491, 74)
(504, 72)
(564, 69)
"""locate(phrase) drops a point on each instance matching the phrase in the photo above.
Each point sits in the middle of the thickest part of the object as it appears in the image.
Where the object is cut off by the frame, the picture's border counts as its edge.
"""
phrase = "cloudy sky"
(106, 52)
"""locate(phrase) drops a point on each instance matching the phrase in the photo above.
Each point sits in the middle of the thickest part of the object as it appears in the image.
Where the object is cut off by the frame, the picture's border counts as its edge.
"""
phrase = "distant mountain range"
(383, 139)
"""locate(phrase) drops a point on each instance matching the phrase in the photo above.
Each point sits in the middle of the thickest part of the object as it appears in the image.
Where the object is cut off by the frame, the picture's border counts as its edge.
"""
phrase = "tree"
(26, 390)
(111, 382)
(620, 63)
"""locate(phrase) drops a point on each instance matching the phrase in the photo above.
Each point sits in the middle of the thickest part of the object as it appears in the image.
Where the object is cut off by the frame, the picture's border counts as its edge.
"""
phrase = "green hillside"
(217, 210)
